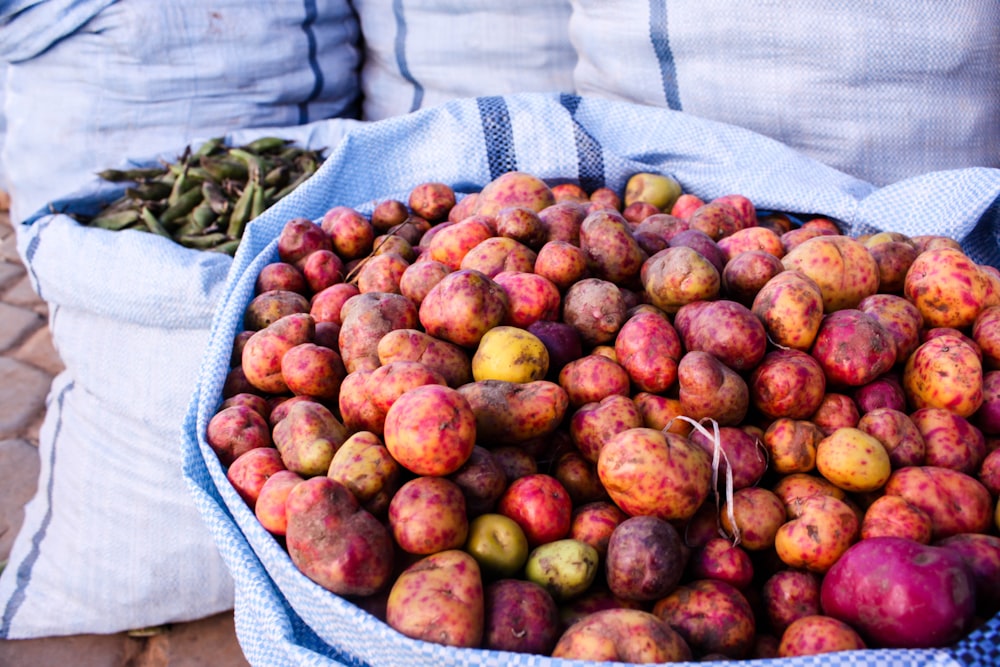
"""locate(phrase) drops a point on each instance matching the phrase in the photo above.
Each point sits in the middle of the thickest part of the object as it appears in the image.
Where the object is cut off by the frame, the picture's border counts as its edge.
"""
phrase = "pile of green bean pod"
(205, 199)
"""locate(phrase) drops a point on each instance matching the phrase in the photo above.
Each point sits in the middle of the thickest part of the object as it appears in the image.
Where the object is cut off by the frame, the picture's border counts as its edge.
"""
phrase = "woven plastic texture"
(285, 619)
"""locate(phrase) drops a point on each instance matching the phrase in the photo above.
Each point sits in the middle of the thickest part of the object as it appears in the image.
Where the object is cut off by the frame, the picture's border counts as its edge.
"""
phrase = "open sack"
(283, 618)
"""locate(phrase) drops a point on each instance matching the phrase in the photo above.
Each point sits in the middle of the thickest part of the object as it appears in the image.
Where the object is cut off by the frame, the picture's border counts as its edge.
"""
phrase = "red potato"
(716, 218)
(955, 502)
(450, 244)
(950, 440)
(645, 559)
(894, 259)
(790, 306)
(463, 306)
(661, 412)
(334, 542)
(944, 372)
(605, 198)
(322, 268)
(531, 298)
(351, 233)
(308, 437)
(439, 599)
(562, 221)
(720, 560)
(835, 411)
(368, 317)
(612, 252)
(989, 473)
(894, 516)
(898, 434)
(840, 265)
(562, 342)
(596, 308)
(562, 263)
(789, 595)
(742, 455)
(482, 481)
(753, 517)
(432, 200)
(746, 212)
(515, 461)
(816, 635)
(648, 348)
(239, 341)
(355, 408)
(523, 225)
(791, 445)
(622, 635)
(727, 330)
(686, 204)
(593, 423)
(388, 213)
(540, 505)
(271, 506)
(795, 237)
(752, 239)
(326, 305)
(508, 413)
(280, 405)
(746, 273)
(419, 277)
(947, 287)
(655, 231)
(981, 554)
(713, 617)
(381, 273)
(591, 378)
(390, 381)
(571, 192)
(899, 317)
(450, 361)
(427, 515)
(364, 465)
(280, 276)
(703, 244)
(882, 392)
(270, 306)
(932, 601)
(649, 472)
(707, 388)
(679, 275)
(638, 211)
(430, 430)
(986, 332)
(520, 616)
(594, 522)
(822, 529)
(236, 430)
(313, 370)
(514, 188)
(262, 353)
(248, 472)
(413, 229)
(853, 348)
(499, 253)
(298, 238)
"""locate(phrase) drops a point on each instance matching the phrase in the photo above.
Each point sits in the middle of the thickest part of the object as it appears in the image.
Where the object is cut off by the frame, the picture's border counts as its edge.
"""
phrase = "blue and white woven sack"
(112, 541)
(419, 53)
(282, 618)
(880, 90)
(94, 82)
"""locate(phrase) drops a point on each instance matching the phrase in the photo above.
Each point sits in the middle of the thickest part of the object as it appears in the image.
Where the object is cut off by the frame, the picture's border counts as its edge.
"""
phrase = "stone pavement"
(28, 362)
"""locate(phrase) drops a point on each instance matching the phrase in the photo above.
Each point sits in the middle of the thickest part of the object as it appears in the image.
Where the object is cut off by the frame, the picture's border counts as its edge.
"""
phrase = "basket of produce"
(551, 380)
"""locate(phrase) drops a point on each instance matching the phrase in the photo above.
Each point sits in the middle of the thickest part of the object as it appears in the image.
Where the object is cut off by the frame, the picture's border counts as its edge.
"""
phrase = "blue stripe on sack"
(589, 155)
(404, 69)
(307, 28)
(26, 566)
(498, 134)
(659, 37)
(29, 255)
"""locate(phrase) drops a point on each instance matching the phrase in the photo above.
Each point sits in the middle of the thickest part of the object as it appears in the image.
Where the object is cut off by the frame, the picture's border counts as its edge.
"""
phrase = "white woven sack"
(881, 90)
(283, 618)
(419, 53)
(112, 540)
(93, 83)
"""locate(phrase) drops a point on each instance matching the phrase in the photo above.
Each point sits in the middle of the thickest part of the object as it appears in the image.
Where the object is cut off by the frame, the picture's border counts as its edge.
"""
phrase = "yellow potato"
(853, 460)
(510, 354)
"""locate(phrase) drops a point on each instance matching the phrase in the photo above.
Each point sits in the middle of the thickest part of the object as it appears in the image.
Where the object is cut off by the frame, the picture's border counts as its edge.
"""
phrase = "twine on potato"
(718, 456)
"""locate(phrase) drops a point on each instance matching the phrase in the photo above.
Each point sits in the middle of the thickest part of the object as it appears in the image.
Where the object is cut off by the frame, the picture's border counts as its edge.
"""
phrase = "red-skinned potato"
(427, 515)
(520, 616)
(540, 505)
(439, 599)
(335, 542)
(932, 601)
(250, 470)
(270, 508)
(955, 502)
(713, 617)
(268, 307)
(791, 445)
(840, 265)
(789, 595)
(368, 317)
(482, 480)
(596, 308)
(787, 384)
(357, 411)
(986, 332)
(514, 412)
(514, 188)
(592, 424)
(661, 412)
(752, 239)
(430, 430)
(351, 233)
(591, 378)
(419, 277)
(363, 464)
(623, 635)
(950, 440)
(742, 456)
(899, 317)
(818, 634)
(853, 348)
(894, 516)
(649, 472)
(236, 430)
(299, 237)
(882, 392)
(499, 253)
(381, 272)
(562, 221)
(432, 200)
(308, 437)
(579, 477)
(451, 243)
(746, 274)
(463, 306)
(710, 389)
(326, 305)
(716, 218)
(390, 381)
(727, 330)
(562, 263)
(981, 554)
(753, 517)
(531, 298)
(679, 275)
(313, 370)
(521, 224)
(944, 372)
(645, 559)
(322, 268)
(822, 529)
(720, 560)
(262, 353)
(894, 257)
(450, 361)
(790, 306)
(594, 522)
(836, 410)
(947, 287)
(280, 276)
(612, 252)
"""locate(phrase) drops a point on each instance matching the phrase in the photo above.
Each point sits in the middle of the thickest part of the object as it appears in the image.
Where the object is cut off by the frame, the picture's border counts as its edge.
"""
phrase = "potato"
(381, 273)
(334, 542)
(944, 372)
(727, 330)
(235, 430)
(482, 481)
(645, 559)
(885, 391)
(752, 239)
(790, 306)
(564, 567)
(622, 635)
(742, 455)
(981, 554)
(679, 275)
(986, 333)
(351, 233)
(746, 273)
(818, 634)
(947, 287)
(853, 460)
(955, 502)
(463, 306)
(263, 351)
(521, 224)
(753, 517)
(648, 348)
(511, 412)
(713, 617)
(720, 560)
(514, 188)
(950, 440)
(796, 486)
(427, 515)
(853, 348)
(521, 617)
(893, 258)
(419, 277)
(836, 410)
(313, 370)
(432, 200)
(562, 221)
(499, 253)
(791, 445)
(308, 437)
(326, 305)
(709, 388)
(612, 252)
(451, 361)
(898, 434)
(822, 529)
(430, 430)
(323, 268)
(531, 298)
(591, 378)
(510, 354)
(280, 276)
(272, 501)
(596, 308)
(894, 516)
(298, 238)
(716, 218)
(703, 244)
(451, 243)
(649, 472)
(661, 412)
(439, 599)
(840, 265)
(789, 595)
(364, 465)
(248, 472)
(562, 263)
(368, 317)
(899, 317)
(593, 423)
(270, 306)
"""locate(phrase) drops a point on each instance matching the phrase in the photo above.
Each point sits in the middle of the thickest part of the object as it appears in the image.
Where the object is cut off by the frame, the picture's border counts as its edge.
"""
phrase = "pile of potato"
(640, 427)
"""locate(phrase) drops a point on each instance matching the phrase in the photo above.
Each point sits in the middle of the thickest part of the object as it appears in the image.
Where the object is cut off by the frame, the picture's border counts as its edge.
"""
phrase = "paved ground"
(28, 362)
